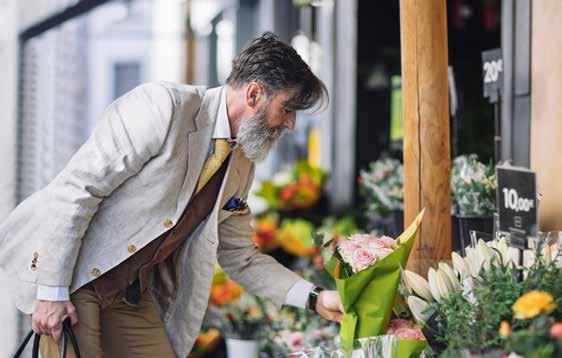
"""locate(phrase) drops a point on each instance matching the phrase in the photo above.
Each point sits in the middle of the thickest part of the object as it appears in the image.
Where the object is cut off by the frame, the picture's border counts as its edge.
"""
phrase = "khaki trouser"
(112, 328)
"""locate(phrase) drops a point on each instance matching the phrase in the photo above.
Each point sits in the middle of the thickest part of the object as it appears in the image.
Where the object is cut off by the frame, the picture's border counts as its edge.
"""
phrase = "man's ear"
(254, 94)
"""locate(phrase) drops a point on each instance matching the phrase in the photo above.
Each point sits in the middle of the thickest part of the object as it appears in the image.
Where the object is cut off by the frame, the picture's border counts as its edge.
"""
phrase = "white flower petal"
(418, 284)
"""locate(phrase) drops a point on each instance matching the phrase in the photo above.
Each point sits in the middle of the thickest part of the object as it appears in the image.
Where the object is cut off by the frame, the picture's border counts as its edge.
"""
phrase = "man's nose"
(290, 122)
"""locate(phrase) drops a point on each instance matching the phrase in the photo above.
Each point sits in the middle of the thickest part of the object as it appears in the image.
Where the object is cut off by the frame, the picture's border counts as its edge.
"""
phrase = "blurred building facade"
(57, 84)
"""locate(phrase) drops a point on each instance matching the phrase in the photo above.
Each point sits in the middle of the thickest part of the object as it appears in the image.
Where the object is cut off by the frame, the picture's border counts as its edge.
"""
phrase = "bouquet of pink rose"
(367, 272)
(360, 251)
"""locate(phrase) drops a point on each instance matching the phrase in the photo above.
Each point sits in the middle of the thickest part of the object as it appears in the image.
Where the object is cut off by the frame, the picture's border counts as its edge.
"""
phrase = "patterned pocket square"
(236, 206)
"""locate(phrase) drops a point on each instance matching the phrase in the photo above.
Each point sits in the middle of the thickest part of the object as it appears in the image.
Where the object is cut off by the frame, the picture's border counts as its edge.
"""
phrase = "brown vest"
(139, 265)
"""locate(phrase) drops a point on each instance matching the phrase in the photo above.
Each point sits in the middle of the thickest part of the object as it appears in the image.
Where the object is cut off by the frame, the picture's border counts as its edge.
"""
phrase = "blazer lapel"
(199, 139)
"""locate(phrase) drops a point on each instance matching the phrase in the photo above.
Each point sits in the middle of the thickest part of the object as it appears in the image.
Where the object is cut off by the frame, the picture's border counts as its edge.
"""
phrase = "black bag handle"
(67, 334)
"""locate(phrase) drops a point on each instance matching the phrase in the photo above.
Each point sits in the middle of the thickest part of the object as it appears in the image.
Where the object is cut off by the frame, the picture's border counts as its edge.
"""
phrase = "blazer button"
(132, 248)
(96, 272)
(168, 223)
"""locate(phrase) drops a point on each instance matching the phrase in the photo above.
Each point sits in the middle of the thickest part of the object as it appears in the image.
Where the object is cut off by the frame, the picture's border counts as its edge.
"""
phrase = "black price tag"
(492, 74)
(517, 202)
(517, 239)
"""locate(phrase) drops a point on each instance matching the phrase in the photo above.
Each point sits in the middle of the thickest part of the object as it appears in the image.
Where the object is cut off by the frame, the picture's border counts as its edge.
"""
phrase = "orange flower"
(289, 192)
(208, 338)
(224, 293)
(556, 330)
(532, 304)
(505, 329)
(306, 197)
(254, 312)
(266, 233)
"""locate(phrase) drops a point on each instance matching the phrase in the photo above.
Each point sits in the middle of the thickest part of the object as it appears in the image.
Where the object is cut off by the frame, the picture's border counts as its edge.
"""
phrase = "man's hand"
(49, 315)
(329, 305)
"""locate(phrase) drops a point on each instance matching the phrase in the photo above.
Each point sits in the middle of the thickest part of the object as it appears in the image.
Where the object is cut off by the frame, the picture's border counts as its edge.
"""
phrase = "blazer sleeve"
(131, 131)
(242, 261)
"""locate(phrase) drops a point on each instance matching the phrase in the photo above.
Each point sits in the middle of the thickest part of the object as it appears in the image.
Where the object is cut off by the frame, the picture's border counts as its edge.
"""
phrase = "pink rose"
(383, 241)
(378, 251)
(410, 333)
(404, 329)
(359, 238)
(388, 241)
(362, 259)
(349, 245)
(395, 324)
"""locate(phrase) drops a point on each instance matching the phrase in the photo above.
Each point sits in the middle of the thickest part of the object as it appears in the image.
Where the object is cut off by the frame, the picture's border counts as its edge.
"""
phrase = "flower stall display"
(383, 186)
(299, 187)
(473, 188)
(223, 289)
(266, 232)
(365, 267)
(473, 185)
(243, 323)
(295, 236)
(294, 330)
(486, 301)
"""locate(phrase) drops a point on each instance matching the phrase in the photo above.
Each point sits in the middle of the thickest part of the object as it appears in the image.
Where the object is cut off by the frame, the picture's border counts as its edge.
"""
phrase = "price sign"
(516, 200)
(492, 72)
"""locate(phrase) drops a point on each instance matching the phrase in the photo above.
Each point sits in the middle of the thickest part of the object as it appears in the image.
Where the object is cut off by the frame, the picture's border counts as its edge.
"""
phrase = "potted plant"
(487, 305)
(243, 323)
(382, 186)
(473, 186)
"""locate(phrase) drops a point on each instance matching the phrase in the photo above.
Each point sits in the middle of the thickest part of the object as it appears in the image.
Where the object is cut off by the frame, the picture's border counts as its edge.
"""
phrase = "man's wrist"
(313, 297)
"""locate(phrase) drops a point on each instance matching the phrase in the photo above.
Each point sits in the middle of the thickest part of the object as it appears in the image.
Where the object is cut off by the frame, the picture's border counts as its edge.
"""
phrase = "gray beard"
(256, 138)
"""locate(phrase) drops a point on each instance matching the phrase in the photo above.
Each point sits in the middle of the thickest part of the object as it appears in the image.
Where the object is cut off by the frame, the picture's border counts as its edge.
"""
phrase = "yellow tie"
(214, 162)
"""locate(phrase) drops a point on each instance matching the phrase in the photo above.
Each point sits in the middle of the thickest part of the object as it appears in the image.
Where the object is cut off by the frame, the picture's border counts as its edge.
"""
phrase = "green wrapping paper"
(368, 295)
(409, 348)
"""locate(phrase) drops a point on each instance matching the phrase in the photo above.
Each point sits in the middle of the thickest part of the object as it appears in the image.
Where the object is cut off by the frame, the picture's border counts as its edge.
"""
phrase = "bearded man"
(124, 240)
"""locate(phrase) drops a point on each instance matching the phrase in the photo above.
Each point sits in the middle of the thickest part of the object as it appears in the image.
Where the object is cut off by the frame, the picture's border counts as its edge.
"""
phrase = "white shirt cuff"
(52, 293)
(298, 294)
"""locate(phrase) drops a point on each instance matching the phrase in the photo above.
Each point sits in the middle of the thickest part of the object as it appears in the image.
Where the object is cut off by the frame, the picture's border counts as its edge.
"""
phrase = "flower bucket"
(236, 348)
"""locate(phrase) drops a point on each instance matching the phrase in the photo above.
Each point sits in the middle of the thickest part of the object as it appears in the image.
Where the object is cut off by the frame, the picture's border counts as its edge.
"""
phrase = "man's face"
(277, 115)
(259, 132)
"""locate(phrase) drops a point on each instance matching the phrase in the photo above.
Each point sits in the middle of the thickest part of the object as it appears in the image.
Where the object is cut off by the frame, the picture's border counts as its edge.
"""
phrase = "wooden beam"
(427, 163)
(546, 107)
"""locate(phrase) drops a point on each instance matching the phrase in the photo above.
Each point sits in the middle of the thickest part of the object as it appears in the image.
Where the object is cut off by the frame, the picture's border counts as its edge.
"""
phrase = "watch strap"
(313, 297)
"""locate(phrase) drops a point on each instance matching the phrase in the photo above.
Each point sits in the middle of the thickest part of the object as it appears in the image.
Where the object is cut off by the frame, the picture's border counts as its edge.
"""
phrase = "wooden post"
(427, 163)
(546, 109)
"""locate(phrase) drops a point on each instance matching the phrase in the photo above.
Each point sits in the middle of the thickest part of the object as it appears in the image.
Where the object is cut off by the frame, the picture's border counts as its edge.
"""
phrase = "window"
(126, 76)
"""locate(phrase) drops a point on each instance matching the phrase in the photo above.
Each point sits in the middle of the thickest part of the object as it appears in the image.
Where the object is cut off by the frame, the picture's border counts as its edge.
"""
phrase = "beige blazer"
(124, 187)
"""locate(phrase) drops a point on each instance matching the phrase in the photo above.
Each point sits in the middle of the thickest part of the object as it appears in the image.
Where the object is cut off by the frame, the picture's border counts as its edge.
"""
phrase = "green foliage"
(546, 277)
(470, 319)
(535, 341)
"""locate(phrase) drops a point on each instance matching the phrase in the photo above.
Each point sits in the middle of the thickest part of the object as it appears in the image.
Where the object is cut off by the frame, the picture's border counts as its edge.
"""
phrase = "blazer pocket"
(224, 214)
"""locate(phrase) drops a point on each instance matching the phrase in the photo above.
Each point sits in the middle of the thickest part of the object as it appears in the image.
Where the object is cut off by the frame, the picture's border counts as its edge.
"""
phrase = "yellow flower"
(505, 329)
(532, 304)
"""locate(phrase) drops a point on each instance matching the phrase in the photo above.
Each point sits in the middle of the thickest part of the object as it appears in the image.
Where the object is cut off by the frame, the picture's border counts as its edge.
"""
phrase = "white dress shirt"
(297, 295)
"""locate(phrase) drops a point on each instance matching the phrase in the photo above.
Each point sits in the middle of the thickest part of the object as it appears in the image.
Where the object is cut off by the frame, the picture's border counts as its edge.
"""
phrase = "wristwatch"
(313, 297)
